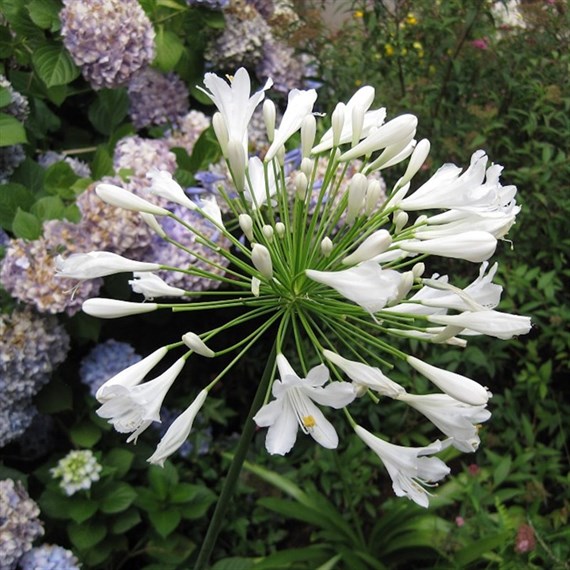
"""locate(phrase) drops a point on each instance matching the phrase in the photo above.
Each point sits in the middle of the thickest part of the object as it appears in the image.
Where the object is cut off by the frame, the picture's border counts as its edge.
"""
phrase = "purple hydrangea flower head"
(139, 155)
(19, 106)
(157, 98)
(49, 557)
(110, 40)
(112, 229)
(10, 158)
(19, 523)
(31, 347)
(242, 39)
(28, 269)
(167, 254)
(15, 418)
(280, 63)
(188, 131)
(210, 4)
(78, 166)
(104, 361)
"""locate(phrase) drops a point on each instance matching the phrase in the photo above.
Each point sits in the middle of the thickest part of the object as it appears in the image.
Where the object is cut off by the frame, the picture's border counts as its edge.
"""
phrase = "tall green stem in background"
(236, 466)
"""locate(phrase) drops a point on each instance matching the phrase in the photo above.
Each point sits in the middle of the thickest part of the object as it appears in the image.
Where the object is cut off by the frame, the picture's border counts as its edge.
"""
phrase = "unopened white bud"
(121, 198)
(301, 184)
(236, 158)
(246, 225)
(255, 283)
(267, 231)
(356, 195)
(195, 343)
(400, 220)
(337, 121)
(418, 270)
(308, 132)
(416, 161)
(373, 245)
(357, 123)
(269, 118)
(221, 132)
(421, 220)
(326, 246)
(280, 229)
(373, 193)
(261, 259)
(307, 165)
(153, 224)
(280, 155)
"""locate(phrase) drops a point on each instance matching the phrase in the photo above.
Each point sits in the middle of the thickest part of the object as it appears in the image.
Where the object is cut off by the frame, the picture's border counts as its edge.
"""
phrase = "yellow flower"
(389, 50)
(358, 82)
(358, 14)
(411, 19)
(418, 46)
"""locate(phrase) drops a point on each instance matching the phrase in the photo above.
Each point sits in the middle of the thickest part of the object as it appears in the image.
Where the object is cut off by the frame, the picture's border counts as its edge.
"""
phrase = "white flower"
(165, 186)
(492, 323)
(299, 105)
(256, 190)
(132, 375)
(364, 375)
(98, 264)
(78, 470)
(407, 466)
(121, 198)
(261, 259)
(402, 128)
(373, 245)
(455, 385)
(475, 246)
(361, 100)
(455, 419)
(151, 286)
(468, 191)
(195, 343)
(367, 285)
(112, 308)
(211, 209)
(178, 432)
(134, 409)
(294, 407)
(234, 102)
(437, 295)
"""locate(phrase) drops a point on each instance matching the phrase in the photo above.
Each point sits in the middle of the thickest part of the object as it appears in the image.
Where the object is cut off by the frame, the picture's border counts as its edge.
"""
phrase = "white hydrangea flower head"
(77, 471)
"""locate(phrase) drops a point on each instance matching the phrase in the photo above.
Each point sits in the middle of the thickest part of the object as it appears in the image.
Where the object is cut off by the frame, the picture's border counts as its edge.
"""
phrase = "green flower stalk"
(334, 272)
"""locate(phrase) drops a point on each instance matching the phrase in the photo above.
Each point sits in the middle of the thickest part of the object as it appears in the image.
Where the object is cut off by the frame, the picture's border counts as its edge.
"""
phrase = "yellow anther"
(309, 422)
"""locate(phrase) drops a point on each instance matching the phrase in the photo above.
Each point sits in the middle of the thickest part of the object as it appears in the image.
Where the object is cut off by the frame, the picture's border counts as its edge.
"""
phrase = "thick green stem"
(236, 466)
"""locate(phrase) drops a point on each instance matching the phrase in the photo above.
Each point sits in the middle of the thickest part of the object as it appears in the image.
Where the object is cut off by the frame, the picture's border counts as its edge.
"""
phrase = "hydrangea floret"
(335, 277)
(77, 471)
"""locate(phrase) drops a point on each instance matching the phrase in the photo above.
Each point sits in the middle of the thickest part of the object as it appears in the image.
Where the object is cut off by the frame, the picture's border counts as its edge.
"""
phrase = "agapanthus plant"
(333, 271)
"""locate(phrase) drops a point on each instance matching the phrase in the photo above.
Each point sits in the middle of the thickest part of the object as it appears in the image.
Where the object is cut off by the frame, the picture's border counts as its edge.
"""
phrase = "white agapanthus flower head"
(331, 269)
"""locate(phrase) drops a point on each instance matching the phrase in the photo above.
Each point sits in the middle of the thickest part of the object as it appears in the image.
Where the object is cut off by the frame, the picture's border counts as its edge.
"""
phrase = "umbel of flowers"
(332, 272)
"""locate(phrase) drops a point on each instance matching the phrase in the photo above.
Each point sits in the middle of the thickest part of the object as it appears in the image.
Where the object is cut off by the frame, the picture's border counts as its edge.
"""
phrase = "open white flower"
(299, 105)
(133, 409)
(257, 191)
(408, 467)
(367, 285)
(234, 102)
(132, 375)
(455, 419)
(98, 264)
(166, 187)
(294, 407)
